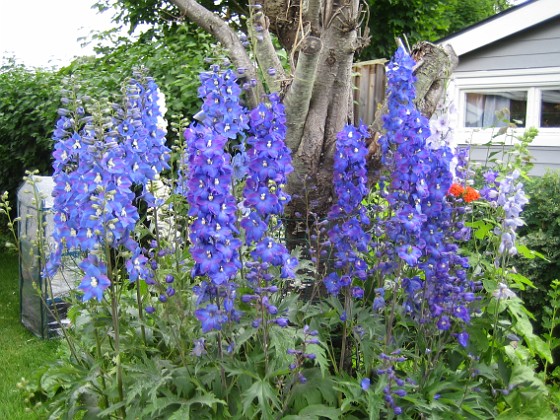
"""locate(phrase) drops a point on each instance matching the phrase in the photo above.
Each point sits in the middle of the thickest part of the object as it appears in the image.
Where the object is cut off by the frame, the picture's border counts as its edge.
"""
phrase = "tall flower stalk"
(214, 248)
(263, 162)
(349, 220)
(98, 159)
(421, 224)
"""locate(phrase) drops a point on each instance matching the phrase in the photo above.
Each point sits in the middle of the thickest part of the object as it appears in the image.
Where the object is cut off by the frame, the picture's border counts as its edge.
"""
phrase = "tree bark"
(321, 39)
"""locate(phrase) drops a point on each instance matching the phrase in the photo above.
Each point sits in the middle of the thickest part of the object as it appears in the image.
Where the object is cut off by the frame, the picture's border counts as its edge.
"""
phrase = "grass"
(20, 351)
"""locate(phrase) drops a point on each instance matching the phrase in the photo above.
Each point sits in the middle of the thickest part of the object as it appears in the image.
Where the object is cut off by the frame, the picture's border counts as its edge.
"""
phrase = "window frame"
(530, 80)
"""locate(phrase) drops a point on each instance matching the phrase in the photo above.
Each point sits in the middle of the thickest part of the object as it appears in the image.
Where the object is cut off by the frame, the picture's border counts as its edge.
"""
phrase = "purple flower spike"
(348, 214)
(419, 228)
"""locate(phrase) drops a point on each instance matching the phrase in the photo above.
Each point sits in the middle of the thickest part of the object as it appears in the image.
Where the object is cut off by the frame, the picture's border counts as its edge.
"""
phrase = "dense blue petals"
(94, 173)
(347, 213)
(420, 223)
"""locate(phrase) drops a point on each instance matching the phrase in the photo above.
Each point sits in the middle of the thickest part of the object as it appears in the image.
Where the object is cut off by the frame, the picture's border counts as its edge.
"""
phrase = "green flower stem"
(100, 357)
(140, 312)
(344, 332)
(116, 332)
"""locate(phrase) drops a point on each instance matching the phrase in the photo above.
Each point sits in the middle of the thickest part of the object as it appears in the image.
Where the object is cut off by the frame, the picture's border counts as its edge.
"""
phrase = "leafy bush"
(26, 112)
(174, 56)
(541, 233)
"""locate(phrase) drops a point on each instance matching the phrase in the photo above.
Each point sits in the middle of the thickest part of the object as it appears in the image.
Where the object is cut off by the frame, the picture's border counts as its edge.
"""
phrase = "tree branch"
(265, 52)
(301, 91)
(313, 15)
(220, 30)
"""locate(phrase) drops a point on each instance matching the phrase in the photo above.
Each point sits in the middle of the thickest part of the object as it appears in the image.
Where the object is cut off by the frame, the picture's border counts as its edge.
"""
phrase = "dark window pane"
(497, 109)
(550, 108)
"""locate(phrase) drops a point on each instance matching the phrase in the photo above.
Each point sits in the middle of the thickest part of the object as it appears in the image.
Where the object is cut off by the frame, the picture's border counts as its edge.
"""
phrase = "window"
(550, 108)
(488, 101)
(496, 109)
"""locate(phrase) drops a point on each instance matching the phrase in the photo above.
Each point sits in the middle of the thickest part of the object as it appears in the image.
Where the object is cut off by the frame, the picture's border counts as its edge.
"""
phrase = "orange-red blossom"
(468, 194)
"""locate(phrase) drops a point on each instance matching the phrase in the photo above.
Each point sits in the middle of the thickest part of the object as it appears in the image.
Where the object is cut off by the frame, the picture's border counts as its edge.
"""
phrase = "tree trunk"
(321, 40)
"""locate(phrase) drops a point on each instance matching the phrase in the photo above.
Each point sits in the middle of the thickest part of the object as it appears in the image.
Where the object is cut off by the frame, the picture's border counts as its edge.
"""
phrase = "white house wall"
(534, 48)
(527, 60)
(531, 80)
(545, 158)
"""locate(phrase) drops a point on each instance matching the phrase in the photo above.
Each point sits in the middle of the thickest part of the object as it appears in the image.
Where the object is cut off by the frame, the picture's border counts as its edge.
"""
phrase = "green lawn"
(20, 351)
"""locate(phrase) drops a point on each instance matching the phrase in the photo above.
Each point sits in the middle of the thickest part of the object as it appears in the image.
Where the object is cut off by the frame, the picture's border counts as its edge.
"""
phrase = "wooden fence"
(369, 89)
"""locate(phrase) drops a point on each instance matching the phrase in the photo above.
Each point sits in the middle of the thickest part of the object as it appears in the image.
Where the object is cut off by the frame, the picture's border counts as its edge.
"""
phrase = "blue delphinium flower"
(301, 355)
(395, 385)
(268, 162)
(511, 198)
(95, 279)
(422, 221)
(210, 317)
(489, 191)
(142, 137)
(92, 196)
(215, 249)
(95, 168)
(348, 215)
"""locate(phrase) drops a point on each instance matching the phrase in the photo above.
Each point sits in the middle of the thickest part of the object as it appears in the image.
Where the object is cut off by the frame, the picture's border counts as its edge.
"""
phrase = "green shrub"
(27, 110)
(542, 234)
(30, 97)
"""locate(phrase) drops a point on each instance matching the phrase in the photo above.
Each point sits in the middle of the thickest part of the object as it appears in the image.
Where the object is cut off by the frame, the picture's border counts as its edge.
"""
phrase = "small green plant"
(11, 242)
(551, 320)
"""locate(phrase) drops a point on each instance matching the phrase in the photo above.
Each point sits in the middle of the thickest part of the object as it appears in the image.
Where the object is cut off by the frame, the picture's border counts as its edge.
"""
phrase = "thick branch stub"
(434, 66)
(265, 52)
(301, 91)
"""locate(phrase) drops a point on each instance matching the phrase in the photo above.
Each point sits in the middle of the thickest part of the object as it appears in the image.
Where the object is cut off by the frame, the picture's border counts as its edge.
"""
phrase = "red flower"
(468, 194)
(471, 194)
(456, 190)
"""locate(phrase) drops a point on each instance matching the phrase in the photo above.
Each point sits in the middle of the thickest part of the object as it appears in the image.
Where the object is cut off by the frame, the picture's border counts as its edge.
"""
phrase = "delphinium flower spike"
(422, 219)
(268, 164)
(93, 197)
(348, 214)
(209, 193)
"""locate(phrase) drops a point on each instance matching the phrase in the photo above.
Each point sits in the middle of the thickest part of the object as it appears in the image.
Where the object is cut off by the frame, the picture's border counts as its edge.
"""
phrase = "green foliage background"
(421, 20)
(417, 20)
(542, 234)
(27, 115)
(174, 56)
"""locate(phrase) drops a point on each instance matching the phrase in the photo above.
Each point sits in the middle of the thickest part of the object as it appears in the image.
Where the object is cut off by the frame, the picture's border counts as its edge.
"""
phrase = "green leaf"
(263, 392)
(321, 410)
(320, 357)
(529, 253)
(184, 412)
(472, 411)
(520, 280)
(480, 228)
(525, 374)
(540, 347)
